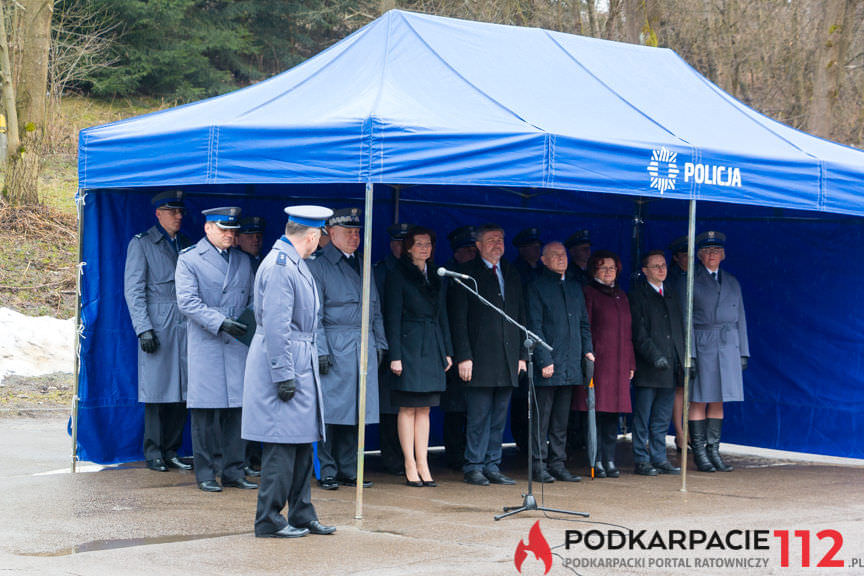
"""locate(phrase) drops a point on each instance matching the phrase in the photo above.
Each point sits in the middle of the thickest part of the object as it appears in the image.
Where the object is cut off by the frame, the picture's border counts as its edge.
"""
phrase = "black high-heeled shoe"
(413, 484)
(429, 483)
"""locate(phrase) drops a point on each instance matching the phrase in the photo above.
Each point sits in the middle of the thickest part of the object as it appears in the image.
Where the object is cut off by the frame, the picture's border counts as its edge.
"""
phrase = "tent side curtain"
(805, 385)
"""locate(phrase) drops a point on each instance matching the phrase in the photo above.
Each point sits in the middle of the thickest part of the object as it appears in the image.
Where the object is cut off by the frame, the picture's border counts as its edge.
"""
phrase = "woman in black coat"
(420, 352)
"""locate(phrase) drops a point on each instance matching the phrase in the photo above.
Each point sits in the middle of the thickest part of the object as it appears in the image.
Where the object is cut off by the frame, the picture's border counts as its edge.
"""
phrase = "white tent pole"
(366, 301)
(688, 340)
(79, 206)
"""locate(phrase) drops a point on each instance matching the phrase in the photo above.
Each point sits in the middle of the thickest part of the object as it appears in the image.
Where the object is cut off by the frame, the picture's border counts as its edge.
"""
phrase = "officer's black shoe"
(666, 468)
(543, 476)
(599, 470)
(251, 472)
(564, 475)
(210, 486)
(476, 478)
(645, 469)
(175, 462)
(157, 464)
(611, 470)
(315, 527)
(328, 483)
(287, 532)
(353, 481)
(498, 478)
(243, 484)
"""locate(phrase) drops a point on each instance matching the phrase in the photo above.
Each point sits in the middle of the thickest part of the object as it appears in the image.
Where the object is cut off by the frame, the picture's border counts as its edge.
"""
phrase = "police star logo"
(663, 169)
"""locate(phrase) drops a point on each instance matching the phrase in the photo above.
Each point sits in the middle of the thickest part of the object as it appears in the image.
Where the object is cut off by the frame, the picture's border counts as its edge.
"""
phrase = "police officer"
(388, 434)
(722, 349)
(214, 286)
(453, 400)
(337, 271)
(579, 251)
(528, 263)
(282, 401)
(149, 290)
(676, 278)
(250, 237)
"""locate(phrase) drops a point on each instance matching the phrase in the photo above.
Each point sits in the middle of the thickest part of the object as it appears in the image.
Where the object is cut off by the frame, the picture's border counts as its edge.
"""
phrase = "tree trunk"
(833, 41)
(33, 40)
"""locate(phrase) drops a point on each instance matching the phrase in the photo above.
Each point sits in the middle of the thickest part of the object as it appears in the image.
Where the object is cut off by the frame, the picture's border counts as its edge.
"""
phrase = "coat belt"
(302, 336)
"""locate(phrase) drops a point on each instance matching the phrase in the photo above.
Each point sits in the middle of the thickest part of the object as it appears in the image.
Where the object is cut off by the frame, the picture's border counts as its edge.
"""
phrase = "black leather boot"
(700, 456)
(715, 427)
(599, 470)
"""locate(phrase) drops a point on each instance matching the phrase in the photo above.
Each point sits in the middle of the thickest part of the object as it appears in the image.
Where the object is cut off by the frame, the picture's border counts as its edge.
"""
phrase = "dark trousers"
(519, 414)
(607, 435)
(163, 429)
(652, 413)
(286, 473)
(388, 440)
(454, 439)
(486, 417)
(253, 455)
(552, 412)
(216, 444)
(338, 455)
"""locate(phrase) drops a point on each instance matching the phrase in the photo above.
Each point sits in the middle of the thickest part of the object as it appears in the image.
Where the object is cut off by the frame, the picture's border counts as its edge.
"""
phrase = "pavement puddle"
(97, 545)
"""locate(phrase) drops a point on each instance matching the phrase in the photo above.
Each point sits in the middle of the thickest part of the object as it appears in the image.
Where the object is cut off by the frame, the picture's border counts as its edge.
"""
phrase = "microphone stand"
(529, 502)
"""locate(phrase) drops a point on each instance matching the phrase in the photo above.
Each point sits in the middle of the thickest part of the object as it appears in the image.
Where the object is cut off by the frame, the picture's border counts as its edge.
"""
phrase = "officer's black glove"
(661, 363)
(381, 353)
(233, 328)
(692, 373)
(285, 390)
(744, 361)
(148, 341)
(324, 364)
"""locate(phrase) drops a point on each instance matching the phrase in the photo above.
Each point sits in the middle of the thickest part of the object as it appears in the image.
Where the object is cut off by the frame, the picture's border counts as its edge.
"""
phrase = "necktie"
(716, 277)
(352, 260)
(661, 290)
(224, 254)
(499, 279)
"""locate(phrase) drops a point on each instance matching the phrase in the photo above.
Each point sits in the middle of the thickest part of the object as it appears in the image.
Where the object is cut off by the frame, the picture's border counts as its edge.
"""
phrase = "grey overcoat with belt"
(720, 337)
(148, 285)
(283, 348)
(339, 288)
(209, 289)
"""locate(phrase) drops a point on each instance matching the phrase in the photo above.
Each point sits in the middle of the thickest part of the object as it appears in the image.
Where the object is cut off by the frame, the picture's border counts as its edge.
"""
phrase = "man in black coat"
(557, 314)
(488, 353)
(658, 340)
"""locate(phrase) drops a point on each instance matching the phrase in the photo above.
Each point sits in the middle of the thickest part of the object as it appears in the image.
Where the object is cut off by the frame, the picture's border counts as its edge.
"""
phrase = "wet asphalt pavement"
(130, 520)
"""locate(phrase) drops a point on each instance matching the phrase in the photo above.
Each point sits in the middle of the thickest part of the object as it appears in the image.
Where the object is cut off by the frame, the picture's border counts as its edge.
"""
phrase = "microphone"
(444, 272)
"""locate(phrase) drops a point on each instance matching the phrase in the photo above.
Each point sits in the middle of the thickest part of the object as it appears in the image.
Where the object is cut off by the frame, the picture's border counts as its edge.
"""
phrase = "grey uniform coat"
(209, 289)
(283, 348)
(339, 289)
(720, 337)
(148, 284)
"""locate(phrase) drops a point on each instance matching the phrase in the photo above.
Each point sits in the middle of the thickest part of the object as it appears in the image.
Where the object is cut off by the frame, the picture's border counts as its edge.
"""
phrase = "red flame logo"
(536, 544)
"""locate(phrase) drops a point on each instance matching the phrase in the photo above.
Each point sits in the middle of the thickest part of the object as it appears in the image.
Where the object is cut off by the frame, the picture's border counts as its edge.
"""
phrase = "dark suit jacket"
(658, 330)
(481, 334)
(557, 313)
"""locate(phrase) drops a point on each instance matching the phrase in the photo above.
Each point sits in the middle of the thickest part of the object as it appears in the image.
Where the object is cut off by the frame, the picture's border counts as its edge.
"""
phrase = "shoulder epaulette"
(139, 235)
(281, 259)
(187, 249)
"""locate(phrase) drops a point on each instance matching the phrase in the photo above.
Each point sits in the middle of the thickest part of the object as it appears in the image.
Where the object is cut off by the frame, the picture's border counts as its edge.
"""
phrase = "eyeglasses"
(657, 267)
(713, 250)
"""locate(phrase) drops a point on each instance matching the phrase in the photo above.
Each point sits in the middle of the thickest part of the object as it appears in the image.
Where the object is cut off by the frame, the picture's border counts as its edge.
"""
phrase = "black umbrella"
(591, 432)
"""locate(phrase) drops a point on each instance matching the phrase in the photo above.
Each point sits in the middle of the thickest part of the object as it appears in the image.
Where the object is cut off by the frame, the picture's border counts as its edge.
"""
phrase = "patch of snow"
(33, 346)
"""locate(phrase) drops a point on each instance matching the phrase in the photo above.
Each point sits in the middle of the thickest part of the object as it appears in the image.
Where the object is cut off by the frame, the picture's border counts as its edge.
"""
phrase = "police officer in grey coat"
(722, 349)
(148, 284)
(337, 272)
(214, 286)
(282, 400)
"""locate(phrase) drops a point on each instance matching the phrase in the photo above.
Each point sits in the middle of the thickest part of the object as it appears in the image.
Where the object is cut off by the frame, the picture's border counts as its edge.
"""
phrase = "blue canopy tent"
(448, 122)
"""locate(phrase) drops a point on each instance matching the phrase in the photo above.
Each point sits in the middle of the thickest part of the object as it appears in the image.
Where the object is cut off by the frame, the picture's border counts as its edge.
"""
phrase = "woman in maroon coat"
(609, 315)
